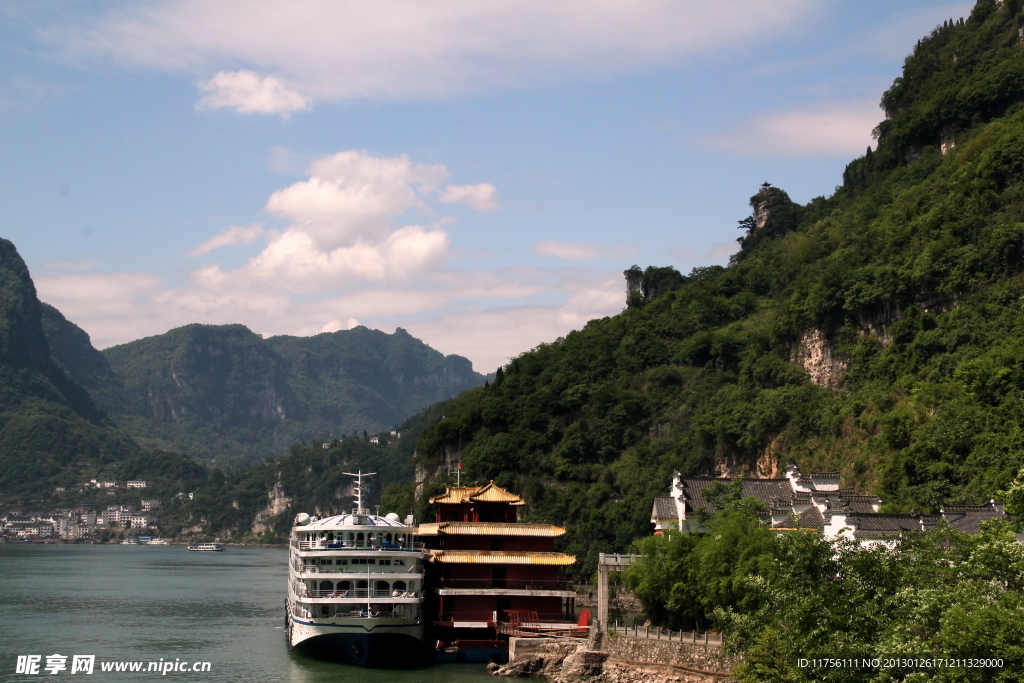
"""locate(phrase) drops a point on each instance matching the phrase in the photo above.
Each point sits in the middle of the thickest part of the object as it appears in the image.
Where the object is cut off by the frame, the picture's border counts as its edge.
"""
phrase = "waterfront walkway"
(692, 637)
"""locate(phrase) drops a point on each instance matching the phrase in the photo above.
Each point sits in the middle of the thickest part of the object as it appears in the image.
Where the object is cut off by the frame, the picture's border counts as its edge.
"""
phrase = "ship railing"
(346, 613)
(397, 570)
(360, 593)
(355, 545)
(517, 584)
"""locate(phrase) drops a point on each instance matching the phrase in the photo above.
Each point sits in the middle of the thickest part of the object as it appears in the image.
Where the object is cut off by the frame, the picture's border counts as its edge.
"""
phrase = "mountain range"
(218, 393)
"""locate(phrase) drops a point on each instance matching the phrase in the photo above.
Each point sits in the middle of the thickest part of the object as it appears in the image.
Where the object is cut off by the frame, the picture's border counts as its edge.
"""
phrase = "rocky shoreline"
(595, 660)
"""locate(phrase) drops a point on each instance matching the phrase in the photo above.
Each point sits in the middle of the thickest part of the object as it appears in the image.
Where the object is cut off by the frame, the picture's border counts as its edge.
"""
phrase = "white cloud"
(295, 262)
(352, 195)
(349, 256)
(581, 251)
(482, 196)
(248, 92)
(829, 129)
(235, 234)
(76, 266)
(367, 49)
(487, 316)
(335, 325)
(113, 307)
(489, 336)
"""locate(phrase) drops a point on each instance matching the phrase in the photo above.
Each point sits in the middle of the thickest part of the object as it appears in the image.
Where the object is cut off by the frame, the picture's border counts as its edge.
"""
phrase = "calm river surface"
(144, 603)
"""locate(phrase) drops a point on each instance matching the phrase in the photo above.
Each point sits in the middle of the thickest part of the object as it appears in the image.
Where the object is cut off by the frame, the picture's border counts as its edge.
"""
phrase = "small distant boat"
(206, 546)
(130, 541)
(158, 541)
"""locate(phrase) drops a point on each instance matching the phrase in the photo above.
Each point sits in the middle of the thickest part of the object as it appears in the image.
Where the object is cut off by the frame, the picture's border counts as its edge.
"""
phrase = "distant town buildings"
(74, 523)
(136, 484)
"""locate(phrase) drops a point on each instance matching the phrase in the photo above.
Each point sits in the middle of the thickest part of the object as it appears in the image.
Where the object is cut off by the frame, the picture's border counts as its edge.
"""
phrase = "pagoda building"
(488, 570)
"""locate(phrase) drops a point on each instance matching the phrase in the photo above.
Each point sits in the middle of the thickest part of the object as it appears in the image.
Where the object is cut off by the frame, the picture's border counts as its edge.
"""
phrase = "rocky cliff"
(46, 418)
(225, 394)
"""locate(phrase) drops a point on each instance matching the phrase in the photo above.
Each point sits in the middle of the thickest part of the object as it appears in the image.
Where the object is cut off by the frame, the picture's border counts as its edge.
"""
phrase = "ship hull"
(363, 644)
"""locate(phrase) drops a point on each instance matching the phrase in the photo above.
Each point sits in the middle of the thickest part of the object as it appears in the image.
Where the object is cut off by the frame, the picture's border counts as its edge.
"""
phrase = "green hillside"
(226, 395)
(878, 331)
(47, 421)
(258, 503)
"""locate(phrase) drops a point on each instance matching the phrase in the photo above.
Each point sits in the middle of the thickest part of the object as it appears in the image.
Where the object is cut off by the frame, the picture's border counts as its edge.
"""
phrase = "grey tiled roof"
(665, 508)
(971, 521)
(825, 475)
(811, 519)
(860, 504)
(969, 508)
(771, 492)
(882, 524)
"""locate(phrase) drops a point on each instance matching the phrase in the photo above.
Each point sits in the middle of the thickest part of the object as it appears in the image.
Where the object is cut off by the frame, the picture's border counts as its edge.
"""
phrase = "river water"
(147, 603)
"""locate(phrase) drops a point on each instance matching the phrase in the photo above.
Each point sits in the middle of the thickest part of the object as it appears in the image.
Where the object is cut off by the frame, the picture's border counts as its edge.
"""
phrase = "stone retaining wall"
(628, 651)
(611, 658)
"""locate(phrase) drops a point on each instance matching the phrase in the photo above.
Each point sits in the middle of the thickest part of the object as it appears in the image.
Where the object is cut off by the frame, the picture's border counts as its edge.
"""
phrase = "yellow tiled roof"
(477, 494)
(499, 557)
(490, 529)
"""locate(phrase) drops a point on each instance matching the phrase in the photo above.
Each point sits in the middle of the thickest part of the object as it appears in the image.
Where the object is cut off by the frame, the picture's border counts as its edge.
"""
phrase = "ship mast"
(360, 510)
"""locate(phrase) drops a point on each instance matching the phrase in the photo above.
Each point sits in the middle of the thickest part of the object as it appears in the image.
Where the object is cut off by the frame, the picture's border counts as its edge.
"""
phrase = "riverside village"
(477, 584)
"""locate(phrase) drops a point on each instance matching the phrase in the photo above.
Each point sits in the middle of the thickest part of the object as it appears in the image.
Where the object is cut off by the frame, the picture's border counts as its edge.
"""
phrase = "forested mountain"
(878, 331)
(224, 394)
(47, 421)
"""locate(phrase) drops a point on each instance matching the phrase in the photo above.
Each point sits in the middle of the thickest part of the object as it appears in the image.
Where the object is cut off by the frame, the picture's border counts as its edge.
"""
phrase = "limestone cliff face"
(425, 474)
(815, 355)
(214, 374)
(224, 392)
(277, 503)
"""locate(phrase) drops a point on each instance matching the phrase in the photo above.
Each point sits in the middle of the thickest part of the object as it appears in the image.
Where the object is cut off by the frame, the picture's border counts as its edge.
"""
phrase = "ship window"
(398, 585)
(371, 561)
(350, 535)
(326, 585)
(359, 537)
(328, 561)
(330, 536)
(360, 584)
(344, 585)
(399, 562)
(385, 562)
(342, 561)
(388, 538)
(382, 585)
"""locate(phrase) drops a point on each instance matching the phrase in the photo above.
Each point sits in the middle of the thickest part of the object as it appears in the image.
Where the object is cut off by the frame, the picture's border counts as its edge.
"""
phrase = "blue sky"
(478, 172)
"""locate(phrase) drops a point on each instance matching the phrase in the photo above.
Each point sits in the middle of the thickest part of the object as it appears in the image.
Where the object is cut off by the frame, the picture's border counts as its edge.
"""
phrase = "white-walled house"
(813, 502)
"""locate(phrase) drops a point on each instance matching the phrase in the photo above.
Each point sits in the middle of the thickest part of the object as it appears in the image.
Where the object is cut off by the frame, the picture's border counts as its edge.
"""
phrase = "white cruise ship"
(355, 588)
